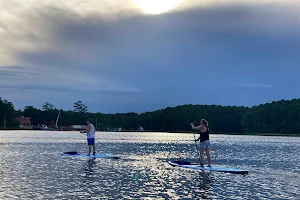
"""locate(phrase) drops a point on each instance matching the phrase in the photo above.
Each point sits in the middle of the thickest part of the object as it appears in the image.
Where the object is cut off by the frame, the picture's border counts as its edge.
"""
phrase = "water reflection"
(36, 170)
(90, 165)
(203, 184)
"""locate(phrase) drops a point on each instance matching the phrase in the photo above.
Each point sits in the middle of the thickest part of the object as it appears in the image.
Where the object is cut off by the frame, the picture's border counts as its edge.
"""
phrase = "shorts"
(205, 144)
(91, 141)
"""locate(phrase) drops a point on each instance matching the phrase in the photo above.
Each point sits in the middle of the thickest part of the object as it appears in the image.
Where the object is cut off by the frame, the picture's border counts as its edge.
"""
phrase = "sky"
(142, 55)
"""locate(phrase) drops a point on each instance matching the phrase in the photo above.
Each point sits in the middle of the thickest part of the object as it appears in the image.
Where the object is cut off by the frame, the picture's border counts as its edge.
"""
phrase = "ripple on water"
(32, 168)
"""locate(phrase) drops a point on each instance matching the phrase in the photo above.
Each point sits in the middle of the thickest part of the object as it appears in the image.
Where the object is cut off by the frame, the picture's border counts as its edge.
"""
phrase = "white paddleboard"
(91, 156)
(218, 169)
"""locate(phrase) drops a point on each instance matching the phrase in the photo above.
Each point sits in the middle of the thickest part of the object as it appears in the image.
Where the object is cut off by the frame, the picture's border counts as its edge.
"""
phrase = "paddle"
(84, 133)
(198, 152)
(96, 141)
(197, 149)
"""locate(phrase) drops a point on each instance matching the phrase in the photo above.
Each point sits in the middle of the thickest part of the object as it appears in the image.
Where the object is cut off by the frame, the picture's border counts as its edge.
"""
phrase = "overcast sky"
(140, 55)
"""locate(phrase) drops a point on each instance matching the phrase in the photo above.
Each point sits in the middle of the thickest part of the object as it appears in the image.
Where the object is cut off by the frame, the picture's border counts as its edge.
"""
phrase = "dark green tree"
(80, 107)
(276, 117)
(47, 106)
(7, 114)
(35, 114)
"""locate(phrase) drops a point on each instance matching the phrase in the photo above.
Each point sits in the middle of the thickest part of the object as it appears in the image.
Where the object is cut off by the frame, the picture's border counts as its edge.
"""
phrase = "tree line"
(277, 117)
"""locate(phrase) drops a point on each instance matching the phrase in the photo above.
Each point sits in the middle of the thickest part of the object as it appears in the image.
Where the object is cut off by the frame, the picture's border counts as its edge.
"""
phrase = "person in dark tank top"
(204, 141)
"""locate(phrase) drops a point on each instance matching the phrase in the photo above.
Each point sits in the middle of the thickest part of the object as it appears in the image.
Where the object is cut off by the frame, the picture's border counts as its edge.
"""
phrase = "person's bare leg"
(90, 149)
(94, 149)
(208, 156)
(201, 156)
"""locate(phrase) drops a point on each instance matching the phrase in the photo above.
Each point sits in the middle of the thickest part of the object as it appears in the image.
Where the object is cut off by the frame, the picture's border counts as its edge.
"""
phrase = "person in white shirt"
(90, 134)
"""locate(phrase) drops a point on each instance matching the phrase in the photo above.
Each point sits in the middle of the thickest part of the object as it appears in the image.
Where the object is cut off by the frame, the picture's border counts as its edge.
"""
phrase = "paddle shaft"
(197, 148)
(85, 136)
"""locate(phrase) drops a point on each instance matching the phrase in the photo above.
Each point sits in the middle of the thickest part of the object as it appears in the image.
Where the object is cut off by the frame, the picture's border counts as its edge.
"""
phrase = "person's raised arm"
(196, 127)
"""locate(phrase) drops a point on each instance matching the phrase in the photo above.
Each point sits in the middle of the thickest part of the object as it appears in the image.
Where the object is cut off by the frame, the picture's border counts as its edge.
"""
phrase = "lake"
(31, 167)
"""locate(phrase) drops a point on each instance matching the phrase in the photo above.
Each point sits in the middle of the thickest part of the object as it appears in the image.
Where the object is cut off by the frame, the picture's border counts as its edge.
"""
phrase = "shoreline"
(245, 134)
(253, 134)
(177, 132)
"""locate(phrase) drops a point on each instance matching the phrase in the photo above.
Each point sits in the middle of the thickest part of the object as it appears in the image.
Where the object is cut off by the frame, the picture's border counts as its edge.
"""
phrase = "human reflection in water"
(203, 185)
(87, 177)
(88, 171)
(89, 168)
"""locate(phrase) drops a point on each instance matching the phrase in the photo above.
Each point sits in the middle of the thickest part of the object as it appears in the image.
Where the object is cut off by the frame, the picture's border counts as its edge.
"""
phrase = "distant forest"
(276, 117)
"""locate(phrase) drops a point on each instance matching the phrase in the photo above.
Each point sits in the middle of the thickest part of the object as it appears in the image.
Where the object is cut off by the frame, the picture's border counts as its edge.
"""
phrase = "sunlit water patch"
(32, 168)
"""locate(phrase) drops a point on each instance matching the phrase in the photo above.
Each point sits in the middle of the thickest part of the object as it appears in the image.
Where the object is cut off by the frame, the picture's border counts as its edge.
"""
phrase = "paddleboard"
(75, 154)
(213, 168)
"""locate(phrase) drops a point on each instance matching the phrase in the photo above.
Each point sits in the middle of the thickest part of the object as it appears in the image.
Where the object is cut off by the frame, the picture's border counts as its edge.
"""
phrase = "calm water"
(32, 168)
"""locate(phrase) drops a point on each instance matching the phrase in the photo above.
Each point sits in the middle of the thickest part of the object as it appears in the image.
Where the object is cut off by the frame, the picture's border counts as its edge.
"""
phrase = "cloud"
(70, 48)
(68, 28)
(255, 85)
(26, 78)
(69, 89)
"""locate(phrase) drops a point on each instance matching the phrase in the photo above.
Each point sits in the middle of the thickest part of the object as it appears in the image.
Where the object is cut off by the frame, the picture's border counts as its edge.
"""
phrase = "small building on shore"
(25, 122)
(52, 124)
(78, 127)
(113, 129)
